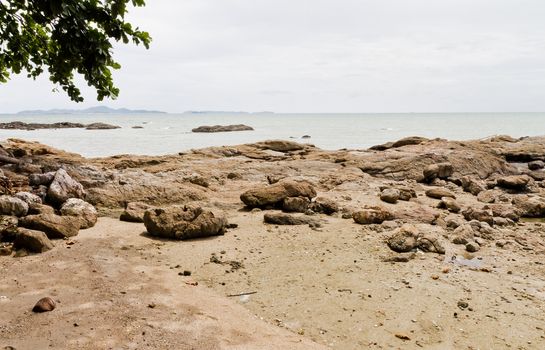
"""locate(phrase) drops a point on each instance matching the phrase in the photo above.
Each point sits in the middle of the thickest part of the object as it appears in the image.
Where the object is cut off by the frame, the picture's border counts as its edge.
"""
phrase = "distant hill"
(92, 110)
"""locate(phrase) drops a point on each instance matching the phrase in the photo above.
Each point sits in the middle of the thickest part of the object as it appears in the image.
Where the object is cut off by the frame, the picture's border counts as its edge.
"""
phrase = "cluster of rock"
(222, 128)
(50, 207)
(17, 125)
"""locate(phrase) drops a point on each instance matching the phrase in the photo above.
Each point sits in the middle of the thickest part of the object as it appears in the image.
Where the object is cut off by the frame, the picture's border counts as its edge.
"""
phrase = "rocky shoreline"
(429, 204)
(60, 125)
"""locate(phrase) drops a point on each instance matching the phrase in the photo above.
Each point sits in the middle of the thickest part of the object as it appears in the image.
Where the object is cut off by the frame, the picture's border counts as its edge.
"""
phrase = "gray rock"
(79, 208)
(536, 165)
(41, 179)
(32, 241)
(8, 228)
(64, 187)
(28, 198)
(12, 206)
(183, 222)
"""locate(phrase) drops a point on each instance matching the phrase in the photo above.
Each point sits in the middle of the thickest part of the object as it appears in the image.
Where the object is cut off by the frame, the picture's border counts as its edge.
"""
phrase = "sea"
(171, 133)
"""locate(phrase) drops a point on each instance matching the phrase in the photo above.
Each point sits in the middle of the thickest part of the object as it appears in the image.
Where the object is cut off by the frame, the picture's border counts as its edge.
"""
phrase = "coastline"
(337, 283)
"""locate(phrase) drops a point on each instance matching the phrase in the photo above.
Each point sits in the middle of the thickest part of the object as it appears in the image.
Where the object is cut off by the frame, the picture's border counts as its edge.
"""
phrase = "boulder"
(463, 234)
(390, 195)
(41, 179)
(372, 215)
(134, 212)
(530, 207)
(324, 205)
(280, 145)
(8, 228)
(32, 241)
(409, 237)
(274, 194)
(438, 171)
(79, 208)
(536, 165)
(287, 219)
(28, 198)
(101, 126)
(514, 182)
(406, 193)
(222, 128)
(183, 222)
(417, 213)
(483, 215)
(504, 211)
(488, 196)
(12, 206)
(296, 204)
(55, 226)
(472, 185)
(36, 208)
(439, 193)
(64, 187)
(450, 204)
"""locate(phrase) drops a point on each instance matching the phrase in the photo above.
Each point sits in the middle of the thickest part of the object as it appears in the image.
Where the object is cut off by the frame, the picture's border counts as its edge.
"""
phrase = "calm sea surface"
(171, 133)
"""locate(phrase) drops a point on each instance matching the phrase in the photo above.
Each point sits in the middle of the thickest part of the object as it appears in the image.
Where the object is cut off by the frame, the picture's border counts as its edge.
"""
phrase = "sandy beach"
(334, 282)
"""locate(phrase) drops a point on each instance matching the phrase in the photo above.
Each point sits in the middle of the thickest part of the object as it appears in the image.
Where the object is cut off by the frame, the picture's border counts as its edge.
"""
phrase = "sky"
(355, 56)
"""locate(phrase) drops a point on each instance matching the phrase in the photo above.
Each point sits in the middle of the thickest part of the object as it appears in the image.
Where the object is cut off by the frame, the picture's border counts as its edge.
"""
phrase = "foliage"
(66, 37)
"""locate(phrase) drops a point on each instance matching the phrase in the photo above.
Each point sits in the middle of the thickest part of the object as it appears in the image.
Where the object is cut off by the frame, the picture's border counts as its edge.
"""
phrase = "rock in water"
(55, 226)
(372, 215)
(222, 128)
(276, 193)
(134, 212)
(33, 241)
(81, 209)
(64, 187)
(287, 219)
(44, 305)
(13, 206)
(183, 222)
(101, 126)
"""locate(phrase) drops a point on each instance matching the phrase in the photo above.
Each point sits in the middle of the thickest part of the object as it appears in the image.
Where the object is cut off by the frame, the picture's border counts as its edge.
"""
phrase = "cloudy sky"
(324, 56)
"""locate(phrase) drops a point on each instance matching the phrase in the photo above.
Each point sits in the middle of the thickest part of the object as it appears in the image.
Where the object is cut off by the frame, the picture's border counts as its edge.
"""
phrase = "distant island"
(91, 110)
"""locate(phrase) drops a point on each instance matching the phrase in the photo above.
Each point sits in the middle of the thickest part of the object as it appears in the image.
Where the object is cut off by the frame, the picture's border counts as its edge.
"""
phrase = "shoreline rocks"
(222, 128)
(18, 125)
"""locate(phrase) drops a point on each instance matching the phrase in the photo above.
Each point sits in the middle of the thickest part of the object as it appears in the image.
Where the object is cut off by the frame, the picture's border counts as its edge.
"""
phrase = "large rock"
(84, 211)
(273, 194)
(372, 215)
(439, 193)
(28, 198)
(287, 219)
(33, 241)
(13, 206)
(8, 228)
(101, 126)
(472, 185)
(183, 222)
(222, 128)
(514, 182)
(280, 145)
(295, 204)
(55, 226)
(64, 187)
(390, 195)
(530, 207)
(324, 205)
(450, 204)
(134, 212)
(409, 237)
(41, 179)
(438, 171)
(484, 215)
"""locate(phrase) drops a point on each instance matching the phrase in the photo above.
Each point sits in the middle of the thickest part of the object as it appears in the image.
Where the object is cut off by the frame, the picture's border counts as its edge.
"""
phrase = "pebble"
(44, 305)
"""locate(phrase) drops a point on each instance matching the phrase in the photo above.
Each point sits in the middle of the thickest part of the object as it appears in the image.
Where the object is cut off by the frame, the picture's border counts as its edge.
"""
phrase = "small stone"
(463, 305)
(402, 336)
(472, 247)
(434, 277)
(44, 305)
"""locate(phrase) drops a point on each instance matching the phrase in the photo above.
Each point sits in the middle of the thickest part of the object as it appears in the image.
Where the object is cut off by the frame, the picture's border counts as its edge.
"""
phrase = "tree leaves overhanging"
(66, 37)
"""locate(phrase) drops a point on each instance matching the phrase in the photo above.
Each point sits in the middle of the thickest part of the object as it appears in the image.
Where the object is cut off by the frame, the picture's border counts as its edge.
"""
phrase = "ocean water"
(171, 133)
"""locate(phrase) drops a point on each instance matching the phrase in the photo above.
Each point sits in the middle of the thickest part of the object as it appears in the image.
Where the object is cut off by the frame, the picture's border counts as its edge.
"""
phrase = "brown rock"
(79, 208)
(372, 215)
(183, 222)
(280, 145)
(55, 226)
(471, 185)
(8, 228)
(44, 305)
(33, 241)
(479, 215)
(439, 193)
(276, 193)
(324, 205)
(134, 212)
(296, 204)
(390, 195)
(12, 206)
(450, 204)
(438, 171)
(514, 182)
(287, 219)
(536, 165)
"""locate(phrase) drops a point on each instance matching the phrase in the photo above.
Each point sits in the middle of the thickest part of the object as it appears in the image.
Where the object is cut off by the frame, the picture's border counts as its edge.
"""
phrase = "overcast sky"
(324, 56)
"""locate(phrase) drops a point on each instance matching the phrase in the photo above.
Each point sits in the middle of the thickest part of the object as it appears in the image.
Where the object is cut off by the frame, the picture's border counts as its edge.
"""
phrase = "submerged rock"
(183, 222)
(223, 128)
(101, 126)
